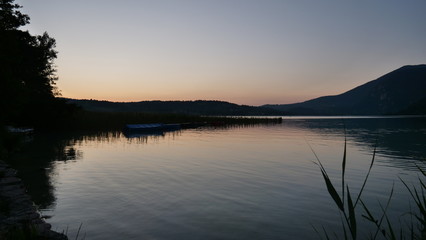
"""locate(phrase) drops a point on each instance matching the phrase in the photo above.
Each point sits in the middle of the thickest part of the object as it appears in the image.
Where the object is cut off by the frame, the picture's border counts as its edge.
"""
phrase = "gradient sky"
(242, 51)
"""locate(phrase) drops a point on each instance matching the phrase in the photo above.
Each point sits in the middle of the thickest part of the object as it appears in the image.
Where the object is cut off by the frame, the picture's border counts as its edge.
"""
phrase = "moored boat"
(152, 127)
(23, 131)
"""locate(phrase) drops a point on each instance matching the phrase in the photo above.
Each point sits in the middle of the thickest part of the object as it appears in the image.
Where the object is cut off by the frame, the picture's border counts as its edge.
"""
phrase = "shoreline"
(18, 214)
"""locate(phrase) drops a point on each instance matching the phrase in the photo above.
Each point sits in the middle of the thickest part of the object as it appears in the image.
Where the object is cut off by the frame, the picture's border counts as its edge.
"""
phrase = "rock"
(20, 212)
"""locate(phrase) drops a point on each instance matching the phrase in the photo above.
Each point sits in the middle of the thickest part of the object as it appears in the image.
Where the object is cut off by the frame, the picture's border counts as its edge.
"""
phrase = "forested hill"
(402, 91)
(199, 107)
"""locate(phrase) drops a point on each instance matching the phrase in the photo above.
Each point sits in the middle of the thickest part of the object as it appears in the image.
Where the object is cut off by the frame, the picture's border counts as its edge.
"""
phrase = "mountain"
(402, 91)
(199, 107)
(418, 108)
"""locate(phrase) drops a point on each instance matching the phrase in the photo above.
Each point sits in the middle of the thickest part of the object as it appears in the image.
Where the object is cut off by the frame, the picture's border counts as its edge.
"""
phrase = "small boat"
(23, 131)
(152, 127)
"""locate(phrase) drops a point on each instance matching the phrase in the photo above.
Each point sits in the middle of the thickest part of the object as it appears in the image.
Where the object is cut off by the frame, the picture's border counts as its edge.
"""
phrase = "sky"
(241, 51)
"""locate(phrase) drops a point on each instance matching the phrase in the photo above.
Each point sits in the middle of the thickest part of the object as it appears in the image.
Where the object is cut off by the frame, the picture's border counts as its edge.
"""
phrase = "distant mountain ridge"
(402, 91)
(198, 107)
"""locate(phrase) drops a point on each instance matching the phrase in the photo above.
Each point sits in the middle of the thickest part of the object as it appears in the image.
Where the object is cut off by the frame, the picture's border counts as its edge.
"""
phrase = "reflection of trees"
(35, 161)
(404, 138)
(35, 168)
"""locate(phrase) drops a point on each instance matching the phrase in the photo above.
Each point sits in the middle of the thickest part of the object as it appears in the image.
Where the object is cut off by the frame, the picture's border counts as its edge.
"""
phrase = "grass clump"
(419, 198)
(383, 228)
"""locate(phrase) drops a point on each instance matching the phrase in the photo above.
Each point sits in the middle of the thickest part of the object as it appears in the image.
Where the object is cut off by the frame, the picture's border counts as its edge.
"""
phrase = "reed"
(419, 198)
(106, 121)
(383, 227)
(343, 201)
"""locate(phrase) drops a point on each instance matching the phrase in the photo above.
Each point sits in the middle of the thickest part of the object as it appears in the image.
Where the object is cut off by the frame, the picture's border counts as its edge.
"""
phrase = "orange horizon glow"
(244, 52)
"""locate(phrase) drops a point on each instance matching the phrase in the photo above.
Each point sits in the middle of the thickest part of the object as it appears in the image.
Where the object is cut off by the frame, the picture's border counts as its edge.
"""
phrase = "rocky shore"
(18, 214)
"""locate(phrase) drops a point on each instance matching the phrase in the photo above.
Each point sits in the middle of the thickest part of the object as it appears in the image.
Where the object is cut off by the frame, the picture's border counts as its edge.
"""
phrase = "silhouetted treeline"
(27, 73)
(199, 107)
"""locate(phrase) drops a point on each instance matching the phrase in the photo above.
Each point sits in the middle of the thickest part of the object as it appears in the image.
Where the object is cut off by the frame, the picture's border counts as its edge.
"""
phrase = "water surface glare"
(255, 182)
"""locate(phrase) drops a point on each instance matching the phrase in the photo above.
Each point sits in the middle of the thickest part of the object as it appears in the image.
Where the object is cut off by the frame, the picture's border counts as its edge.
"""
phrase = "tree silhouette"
(10, 17)
(27, 72)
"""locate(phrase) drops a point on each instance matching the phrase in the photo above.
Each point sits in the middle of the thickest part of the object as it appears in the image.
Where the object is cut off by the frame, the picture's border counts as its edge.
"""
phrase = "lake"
(236, 182)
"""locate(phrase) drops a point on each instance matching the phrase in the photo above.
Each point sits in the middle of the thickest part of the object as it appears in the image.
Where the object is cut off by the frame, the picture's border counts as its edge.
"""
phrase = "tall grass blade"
(408, 188)
(319, 234)
(421, 206)
(421, 170)
(343, 170)
(316, 230)
(315, 154)
(330, 187)
(332, 191)
(422, 183)
(423, 197)
(345, 234)
(371, 219)
(384, 210)
(78, 232)
(326, 234)
(366, 177)
(352, 218)
(369, 216)
(411, 227)
(391, 232)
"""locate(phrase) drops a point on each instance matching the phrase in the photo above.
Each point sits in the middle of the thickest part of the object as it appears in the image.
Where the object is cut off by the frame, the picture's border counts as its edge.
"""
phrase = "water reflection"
(34, 164)
(38, 164)
(397, 137)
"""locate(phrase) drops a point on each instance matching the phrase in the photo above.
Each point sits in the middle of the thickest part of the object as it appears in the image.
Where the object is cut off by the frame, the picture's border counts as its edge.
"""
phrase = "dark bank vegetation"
(105, 121)
(27, 73)
(105, 115)
(198, 107)
(30, 99)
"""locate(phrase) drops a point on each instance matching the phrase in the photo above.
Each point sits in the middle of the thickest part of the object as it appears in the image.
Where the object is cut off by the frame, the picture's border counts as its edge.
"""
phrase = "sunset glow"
(246, 52)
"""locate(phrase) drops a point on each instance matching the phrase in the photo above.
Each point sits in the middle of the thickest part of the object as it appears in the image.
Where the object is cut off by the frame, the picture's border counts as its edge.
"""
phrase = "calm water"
(256, 182)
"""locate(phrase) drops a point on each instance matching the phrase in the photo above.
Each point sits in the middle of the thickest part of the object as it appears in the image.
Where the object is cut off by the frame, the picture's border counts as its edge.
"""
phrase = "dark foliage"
(27, 73)
(199, 107)
(10, 17)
